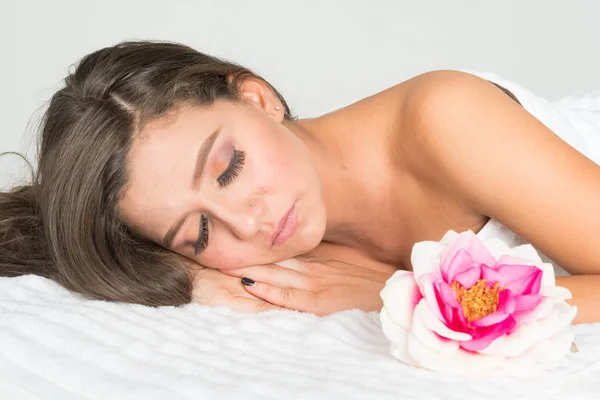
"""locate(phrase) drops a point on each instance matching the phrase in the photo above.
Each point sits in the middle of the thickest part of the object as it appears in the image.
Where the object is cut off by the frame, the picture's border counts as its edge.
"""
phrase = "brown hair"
(65, 225)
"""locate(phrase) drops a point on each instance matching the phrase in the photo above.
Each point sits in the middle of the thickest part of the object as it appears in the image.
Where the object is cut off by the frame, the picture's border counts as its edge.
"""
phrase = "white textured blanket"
(54, 345)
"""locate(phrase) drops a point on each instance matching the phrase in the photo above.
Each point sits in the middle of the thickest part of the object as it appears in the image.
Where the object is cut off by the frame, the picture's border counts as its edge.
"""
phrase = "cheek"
(271, 154)
(275, 169)
(226, 255)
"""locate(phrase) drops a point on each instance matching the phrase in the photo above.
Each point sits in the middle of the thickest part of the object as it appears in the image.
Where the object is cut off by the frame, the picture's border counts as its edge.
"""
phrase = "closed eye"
(233, 169)
(231, 172)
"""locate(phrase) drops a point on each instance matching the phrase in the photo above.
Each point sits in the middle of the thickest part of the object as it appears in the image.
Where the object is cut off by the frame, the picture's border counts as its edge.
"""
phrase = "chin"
(313, 236)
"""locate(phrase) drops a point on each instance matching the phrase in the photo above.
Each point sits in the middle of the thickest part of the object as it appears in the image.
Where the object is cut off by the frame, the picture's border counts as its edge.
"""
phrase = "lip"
(285, 228)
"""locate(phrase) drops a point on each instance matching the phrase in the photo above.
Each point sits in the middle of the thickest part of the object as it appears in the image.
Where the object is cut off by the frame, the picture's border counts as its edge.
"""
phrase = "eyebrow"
(201, 158)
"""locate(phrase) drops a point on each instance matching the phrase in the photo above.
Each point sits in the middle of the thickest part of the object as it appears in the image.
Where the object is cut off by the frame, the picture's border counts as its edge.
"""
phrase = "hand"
(213, 288)
(319, 286)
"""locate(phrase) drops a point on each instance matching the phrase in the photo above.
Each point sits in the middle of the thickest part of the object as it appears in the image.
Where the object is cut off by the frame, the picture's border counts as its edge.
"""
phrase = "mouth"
(285, 228)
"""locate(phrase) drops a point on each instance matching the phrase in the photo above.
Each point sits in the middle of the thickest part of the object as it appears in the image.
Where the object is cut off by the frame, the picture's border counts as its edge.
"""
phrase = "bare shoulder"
(438, 106)
(437, 82)
(431, 97)
(476, 143)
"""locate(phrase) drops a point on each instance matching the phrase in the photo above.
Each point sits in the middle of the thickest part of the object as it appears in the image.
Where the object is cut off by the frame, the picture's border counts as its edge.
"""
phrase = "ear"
(258, 93)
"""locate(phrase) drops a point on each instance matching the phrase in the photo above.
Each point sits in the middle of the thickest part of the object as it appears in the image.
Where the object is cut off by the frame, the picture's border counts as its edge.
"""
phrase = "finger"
(291, 298)
(274, 275)
(247, 305)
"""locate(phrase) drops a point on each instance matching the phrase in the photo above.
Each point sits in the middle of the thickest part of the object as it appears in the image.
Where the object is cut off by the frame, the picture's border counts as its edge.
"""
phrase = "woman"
(156, 159)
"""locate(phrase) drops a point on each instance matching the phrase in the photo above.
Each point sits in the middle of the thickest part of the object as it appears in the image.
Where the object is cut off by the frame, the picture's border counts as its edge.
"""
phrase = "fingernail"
(248, 282)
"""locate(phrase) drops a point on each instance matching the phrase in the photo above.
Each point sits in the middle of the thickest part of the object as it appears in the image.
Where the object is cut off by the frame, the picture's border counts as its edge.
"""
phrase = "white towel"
(57, 346)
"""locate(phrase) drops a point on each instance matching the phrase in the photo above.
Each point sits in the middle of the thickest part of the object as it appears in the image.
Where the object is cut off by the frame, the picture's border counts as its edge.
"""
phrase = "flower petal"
(508, 260)
(468, 277)
(398, 338)
(527, 255)
(550, 350)
(559, 320)
(492, 275)
(423, 355)
(431, 339)
(487, 334)
(555, 292)
(469, 242)
(549, 278)
(545, 308)
(449, 237)
(490, 319)
(506, 302)
(433, 323)
(525, 252)
(527, 302)
(535, 285)
(448, 310)
(391, 330)
(543, 355)
(425, 258)
(400, 296)
(447, 295)
(459, 361)
(457, 322)
(459, 262)
(528, 334)
(400, 351)
(427, 286)
(516, 343)
(521, 279)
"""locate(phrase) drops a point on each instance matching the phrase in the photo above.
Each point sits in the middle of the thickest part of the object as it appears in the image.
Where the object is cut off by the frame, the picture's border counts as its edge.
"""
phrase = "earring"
(277, 108)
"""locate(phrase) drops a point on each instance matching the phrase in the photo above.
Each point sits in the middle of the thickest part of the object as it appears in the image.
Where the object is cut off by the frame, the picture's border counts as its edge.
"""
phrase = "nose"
(244, 220)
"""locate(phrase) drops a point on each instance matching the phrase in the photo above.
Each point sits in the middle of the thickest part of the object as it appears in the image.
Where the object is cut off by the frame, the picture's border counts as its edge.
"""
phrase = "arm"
(586, 296)
(502, 162)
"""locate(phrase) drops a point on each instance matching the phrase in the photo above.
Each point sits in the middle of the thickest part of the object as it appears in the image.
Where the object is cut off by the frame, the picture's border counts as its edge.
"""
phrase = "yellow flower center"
(477, 301)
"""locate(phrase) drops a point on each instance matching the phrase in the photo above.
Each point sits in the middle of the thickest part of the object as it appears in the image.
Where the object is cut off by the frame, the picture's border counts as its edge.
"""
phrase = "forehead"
(180, 119)
(160, 161)
(164, 141)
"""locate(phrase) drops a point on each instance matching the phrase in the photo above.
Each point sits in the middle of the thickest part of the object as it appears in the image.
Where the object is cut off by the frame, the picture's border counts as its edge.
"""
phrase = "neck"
(341, 188)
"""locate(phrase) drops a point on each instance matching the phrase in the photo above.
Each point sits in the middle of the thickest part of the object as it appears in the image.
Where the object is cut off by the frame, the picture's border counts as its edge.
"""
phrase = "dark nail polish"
(248, 282)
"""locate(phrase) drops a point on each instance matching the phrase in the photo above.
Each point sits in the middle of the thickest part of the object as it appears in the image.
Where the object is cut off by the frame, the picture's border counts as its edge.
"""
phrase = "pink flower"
(474, 307)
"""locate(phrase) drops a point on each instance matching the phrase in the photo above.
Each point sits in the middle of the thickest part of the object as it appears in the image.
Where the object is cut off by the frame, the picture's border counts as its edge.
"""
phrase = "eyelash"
(202, 241)
(232, 171)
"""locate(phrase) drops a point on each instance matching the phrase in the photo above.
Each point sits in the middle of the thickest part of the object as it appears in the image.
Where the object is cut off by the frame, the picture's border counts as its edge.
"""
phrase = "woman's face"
(228, 186)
